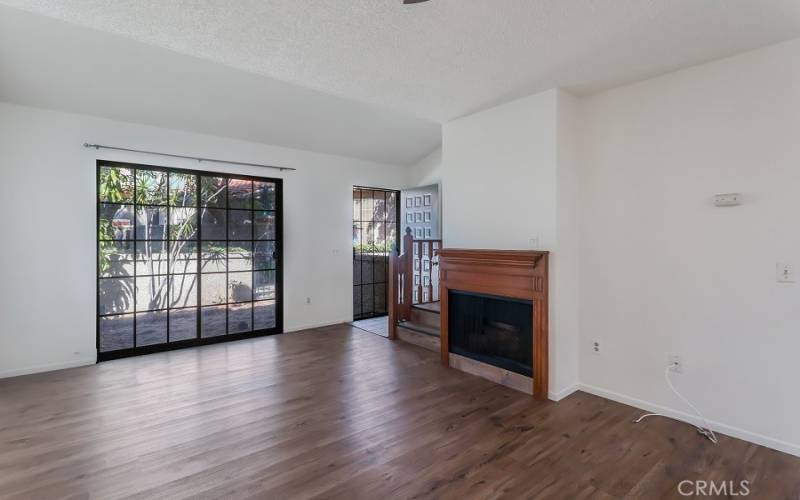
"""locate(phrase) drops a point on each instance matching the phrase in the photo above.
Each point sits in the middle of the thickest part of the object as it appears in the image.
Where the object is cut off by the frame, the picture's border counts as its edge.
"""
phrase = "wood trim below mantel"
(523, 258)
(520, 274)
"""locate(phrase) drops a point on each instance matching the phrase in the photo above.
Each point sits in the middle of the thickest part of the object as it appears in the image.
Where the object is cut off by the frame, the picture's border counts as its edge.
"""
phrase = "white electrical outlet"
(596, 347)
(675, 363)
(785, 273)
(308, 300)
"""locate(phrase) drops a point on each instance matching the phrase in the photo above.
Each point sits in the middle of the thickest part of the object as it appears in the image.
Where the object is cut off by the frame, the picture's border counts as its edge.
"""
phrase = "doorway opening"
(375, 236)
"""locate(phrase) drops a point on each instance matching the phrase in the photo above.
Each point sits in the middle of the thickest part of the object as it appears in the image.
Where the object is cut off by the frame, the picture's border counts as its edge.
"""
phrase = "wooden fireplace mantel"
(519, 274)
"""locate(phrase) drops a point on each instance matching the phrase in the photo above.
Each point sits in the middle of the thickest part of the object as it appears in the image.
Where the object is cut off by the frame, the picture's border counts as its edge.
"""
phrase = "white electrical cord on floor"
(705, 431)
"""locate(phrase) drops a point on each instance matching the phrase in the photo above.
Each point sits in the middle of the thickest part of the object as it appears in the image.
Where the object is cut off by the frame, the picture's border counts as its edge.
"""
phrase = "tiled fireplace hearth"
(494, 315)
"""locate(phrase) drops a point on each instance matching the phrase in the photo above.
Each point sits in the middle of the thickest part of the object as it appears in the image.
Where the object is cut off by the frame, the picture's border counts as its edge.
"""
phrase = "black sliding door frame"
(166, 242)
(391, 216)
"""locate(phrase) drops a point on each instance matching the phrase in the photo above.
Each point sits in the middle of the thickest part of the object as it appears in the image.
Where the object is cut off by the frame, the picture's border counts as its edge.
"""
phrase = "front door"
(375, 236)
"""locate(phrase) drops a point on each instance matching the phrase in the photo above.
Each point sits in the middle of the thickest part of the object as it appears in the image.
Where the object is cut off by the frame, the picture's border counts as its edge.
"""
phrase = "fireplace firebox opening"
(492, 329)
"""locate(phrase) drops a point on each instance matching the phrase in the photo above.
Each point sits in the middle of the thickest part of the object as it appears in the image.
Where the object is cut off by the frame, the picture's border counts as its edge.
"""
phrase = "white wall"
(504, 187)
(663, 271)
(565, 258)
(499, 175)
(428, 170)
(47, 260)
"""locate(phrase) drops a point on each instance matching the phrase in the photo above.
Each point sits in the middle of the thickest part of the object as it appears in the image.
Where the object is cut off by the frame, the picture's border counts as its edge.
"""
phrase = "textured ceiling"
(444, 58)
(52, 64)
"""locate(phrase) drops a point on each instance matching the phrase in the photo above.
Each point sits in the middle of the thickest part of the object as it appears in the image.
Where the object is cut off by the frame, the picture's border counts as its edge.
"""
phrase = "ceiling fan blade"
(406, 2)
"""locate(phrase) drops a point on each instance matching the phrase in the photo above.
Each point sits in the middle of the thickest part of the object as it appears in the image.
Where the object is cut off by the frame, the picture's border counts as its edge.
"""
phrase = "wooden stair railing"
(413, 278)
(394, 294)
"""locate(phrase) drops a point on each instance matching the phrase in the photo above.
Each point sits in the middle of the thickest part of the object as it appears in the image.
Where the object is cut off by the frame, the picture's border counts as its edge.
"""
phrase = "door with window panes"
(185, 258)
(375, 237)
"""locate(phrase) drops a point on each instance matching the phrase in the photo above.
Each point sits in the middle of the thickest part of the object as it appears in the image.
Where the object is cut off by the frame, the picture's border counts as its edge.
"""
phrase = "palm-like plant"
(158, 243)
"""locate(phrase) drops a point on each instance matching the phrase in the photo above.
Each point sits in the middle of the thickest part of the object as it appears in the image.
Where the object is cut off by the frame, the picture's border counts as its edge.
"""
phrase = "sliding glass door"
(185, 258)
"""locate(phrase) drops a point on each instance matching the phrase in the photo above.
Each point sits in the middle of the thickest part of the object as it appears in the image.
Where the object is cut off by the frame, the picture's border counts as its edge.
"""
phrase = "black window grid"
(275, 299)
(374, 277)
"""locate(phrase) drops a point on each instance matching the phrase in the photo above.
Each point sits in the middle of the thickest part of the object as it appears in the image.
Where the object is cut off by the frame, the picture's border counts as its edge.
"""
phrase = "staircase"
(423, 327)
(414, 293)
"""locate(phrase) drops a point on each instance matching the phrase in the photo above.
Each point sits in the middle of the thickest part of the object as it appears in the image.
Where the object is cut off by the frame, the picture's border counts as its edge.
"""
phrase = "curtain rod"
(199, 159)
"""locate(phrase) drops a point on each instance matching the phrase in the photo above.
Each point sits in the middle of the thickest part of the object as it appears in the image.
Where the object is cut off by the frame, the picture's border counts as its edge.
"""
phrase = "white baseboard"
(48, 367)
(752, 437)
(558, 396)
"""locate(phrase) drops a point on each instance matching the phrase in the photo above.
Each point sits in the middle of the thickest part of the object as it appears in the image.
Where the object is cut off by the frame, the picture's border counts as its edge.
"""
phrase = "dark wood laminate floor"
(340, 413)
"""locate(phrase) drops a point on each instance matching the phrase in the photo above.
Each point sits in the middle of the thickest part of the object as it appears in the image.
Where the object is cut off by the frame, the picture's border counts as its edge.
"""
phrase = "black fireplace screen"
(491, 329)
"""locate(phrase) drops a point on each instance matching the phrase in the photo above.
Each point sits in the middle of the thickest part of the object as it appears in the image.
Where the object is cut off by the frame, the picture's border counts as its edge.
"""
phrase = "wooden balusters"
(393, 293)
(426, 274)
(413, 278)
(407, 272)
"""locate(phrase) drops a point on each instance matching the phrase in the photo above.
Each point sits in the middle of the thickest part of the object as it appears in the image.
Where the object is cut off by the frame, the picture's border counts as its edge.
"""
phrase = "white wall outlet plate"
(727, 199)
(784, 273)
(596, 347)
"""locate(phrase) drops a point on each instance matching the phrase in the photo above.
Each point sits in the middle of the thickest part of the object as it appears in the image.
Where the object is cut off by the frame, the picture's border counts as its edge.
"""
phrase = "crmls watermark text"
(700, 487)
